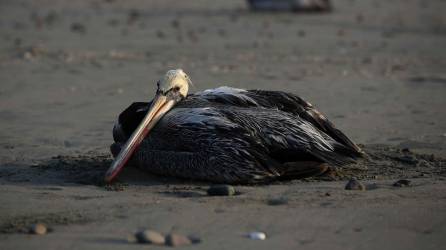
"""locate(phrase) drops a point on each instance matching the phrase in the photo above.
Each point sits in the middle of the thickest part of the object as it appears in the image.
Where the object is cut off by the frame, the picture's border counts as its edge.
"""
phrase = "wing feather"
(282, 101)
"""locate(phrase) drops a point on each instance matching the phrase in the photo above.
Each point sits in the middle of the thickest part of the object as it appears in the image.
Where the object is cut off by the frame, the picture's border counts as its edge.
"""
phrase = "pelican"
(227, 135)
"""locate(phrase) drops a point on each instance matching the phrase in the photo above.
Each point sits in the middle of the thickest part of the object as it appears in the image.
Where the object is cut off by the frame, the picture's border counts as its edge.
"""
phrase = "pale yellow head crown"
(175, 78)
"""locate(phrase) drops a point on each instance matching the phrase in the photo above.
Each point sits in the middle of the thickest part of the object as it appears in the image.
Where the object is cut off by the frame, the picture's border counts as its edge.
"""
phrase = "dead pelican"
(227, 135)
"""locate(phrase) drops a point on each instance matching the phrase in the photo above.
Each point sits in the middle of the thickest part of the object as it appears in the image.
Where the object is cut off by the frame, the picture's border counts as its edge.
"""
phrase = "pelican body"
(227, 135)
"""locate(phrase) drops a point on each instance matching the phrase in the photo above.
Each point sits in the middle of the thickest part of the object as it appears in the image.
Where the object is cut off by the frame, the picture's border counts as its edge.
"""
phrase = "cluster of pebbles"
(354, 184)
(172, 239)
(176, 240)
(147, 236)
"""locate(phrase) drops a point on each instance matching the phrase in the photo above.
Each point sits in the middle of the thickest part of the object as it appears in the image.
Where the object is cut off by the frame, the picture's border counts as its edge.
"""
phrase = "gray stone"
(354, 184)
(277, 201)
(38, 228)
(150, 237)
(401, 183)
(176, 240)
(221, 190)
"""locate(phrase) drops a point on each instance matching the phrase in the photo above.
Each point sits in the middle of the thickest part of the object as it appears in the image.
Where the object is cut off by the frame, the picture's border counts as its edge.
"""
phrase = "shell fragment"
(257, 235)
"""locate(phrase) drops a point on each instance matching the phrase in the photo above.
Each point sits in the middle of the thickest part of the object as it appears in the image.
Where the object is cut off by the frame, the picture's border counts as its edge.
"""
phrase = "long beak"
(160, 105)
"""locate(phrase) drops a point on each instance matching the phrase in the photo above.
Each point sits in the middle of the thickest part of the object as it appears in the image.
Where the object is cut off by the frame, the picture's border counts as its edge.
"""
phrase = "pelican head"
(174, 81)
(171, 89)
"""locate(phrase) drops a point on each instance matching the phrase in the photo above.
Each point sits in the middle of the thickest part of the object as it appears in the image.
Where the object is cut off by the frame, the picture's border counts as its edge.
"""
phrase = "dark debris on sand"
(386, 162)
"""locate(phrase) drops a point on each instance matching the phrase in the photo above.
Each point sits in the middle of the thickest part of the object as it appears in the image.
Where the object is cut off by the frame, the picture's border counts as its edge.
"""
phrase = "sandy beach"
(68, 68)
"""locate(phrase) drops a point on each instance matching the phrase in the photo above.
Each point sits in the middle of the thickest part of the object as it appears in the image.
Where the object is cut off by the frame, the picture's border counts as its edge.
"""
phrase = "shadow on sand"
(382, 162)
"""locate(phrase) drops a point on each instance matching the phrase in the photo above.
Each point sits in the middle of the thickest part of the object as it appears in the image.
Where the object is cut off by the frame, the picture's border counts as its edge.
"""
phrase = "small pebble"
(257, 235)
(160, 34)
(402, 183)
(38, 228)
(150, 237)
(132, 239)
(176, 240)
(27, 55)
(354, 184)
(367, 60)
(408, 159)
(78, 27)
(405, 150)
(359, 18)
(277, 201)
(221, 190)
(175, 23)
(194, 239)
(133, 16)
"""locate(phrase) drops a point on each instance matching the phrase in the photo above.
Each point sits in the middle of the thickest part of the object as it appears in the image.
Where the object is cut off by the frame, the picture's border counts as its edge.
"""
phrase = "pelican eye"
(176, 88)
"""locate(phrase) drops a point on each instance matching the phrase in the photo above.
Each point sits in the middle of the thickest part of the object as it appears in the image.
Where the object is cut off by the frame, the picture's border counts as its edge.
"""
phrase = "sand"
(67, 68)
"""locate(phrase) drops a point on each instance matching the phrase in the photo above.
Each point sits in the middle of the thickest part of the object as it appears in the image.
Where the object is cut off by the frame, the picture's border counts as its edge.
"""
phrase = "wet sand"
(67, 68)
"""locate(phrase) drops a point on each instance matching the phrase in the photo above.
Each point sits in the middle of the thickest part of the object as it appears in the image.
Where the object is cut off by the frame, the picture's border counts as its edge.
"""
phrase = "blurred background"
(68, 68)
